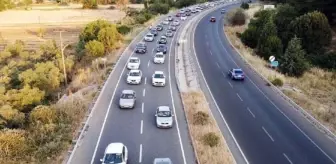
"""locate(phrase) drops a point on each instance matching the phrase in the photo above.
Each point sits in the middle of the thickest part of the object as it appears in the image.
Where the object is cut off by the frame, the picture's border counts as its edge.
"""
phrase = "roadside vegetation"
(42, 109)
(302, 40)
(207, 139)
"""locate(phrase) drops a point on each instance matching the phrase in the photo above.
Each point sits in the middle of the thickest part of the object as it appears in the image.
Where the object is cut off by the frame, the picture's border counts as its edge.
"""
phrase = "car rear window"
(134, 60)
(238, 72)
(158, 76)
(127, 96)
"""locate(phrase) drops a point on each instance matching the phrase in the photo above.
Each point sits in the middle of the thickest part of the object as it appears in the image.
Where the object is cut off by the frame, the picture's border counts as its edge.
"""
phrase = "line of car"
(117, 152)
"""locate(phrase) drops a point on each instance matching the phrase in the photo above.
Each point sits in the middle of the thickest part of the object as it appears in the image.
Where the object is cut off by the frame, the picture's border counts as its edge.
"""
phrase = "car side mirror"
(155, 115)
(173, 115)
(101, 160)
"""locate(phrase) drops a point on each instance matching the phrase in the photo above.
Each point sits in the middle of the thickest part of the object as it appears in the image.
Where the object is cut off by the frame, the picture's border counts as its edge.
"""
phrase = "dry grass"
(315, 91)
(220, 154)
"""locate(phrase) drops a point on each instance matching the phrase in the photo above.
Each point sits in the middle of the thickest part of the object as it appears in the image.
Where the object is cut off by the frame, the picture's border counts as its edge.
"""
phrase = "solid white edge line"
(140, 154)
(172, 99)
(287, 158)
(267, 133)
(142, 107)
(250, 112)
(239, 97)
(277, 106)
(218, 109)
(141, 127)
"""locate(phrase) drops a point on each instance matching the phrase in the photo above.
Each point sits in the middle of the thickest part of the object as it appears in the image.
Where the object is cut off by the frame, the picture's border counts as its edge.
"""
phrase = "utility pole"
(63, 59)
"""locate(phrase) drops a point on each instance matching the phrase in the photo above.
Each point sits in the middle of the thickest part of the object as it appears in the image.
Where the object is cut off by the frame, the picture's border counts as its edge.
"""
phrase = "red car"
(178, 15)
(212, 19)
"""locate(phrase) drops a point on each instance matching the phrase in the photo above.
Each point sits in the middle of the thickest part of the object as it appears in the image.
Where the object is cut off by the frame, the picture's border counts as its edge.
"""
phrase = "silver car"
(127, 99)
(164, 117)
(162, 161)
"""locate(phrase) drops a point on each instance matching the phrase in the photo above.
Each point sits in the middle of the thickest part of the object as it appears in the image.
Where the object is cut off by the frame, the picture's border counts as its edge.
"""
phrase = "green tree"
(49, 51)
(45, 76)
(284, 16)
(92, 29)
(237, 17)
(245, 6)
(314, 30)
(24, 98)
(159, 8)
(16, 48)
(90, 4)
(12, 117)
(250, 37)
(293, 62)
(95, 48)
(110, 37)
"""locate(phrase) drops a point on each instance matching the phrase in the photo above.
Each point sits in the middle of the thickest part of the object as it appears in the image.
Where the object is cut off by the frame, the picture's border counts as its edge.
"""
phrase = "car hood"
(164, 120)
(133, 64)
(126, 102)
(159, 80)
(133, 77)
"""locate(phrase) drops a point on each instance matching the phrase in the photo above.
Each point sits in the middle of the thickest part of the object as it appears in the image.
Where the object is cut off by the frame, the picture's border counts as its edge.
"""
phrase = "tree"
(293, 62)
(24, 98)
(95, 48)
(42, 114)
(92, 29)
(250, 37)
(282, 19)
(245, 6)
(237, 17)
(49, 51)
(269, 43)
(261, 18)
(110, 37)
(12, 117)
(90, 4)
(122, 3)
(159, 8)
(46, 76)
(314, 30)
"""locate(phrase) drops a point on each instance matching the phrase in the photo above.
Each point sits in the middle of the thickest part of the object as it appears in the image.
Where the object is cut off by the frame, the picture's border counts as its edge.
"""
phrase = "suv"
(115, 153)
(127, 99)
(162, 40)
(236, 74)
(141, 48)
(158, 79)
(161, 48)
(212, 19)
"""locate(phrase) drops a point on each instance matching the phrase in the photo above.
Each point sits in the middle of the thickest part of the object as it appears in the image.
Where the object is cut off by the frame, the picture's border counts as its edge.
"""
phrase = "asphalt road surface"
(266, 127)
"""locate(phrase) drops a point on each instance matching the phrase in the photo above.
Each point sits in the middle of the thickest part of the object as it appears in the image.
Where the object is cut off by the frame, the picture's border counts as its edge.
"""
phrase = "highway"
(267, 129)
(136, 127)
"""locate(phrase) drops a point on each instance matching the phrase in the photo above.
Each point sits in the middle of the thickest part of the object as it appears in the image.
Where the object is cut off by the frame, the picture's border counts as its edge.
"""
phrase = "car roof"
(134, 70)
(162, 160)
(134, 58)
(127, 91)
(164, 108)
(163, 36)
(114, 148)
(149, 34)
(237, 69)
(158, 72)
(212, 17)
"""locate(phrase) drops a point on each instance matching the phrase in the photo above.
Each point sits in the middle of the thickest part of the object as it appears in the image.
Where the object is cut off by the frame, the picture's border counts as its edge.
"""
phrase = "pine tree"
(293, 62)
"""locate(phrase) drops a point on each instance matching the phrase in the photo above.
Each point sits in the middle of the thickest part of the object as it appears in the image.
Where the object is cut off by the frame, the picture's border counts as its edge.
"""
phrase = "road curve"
(266, 127)
(136, 128)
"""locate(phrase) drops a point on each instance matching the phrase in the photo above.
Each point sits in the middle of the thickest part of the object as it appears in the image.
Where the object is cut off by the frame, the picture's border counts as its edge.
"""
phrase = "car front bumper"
(158, 84)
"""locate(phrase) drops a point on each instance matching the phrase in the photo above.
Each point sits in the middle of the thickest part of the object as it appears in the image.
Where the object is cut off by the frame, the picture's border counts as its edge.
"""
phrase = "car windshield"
(113, 158)
(127, 96)
(134, 74)
(163, 39)
(153, 30)
(164, 114)
(149, 35)
(238, 72)
(159, 76)
(162, 46)
(159, 56)
(169, 31)
(134, 61)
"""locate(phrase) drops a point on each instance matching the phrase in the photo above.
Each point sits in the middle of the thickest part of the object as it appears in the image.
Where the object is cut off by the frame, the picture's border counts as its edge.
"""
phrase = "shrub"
(131, 12)
(95, 48)
(200, 118)
(250, 37)
(277, 82)
(159, 8)
(237, 17)
(140, 19)
(110, 37)
(211, 139)
(92, 29)
(123, 29)
(245, 6)
(13, 143)
(42, 114)
(90, 4)
(327, 60)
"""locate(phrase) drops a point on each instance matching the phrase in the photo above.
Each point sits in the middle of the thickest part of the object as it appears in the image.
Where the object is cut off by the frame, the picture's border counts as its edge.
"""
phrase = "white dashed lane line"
(217, 65)
(144, 92)
(210, 53)
(251, 112)
(239, 97)
(140, 154)
(287, 158)
(230, 84)
(142, 107)
(268, 134)
(145, 80)
(141, 127)
(148, 63)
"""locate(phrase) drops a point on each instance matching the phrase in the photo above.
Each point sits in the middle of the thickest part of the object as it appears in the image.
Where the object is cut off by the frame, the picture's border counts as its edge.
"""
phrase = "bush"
(140, 19)
(250, 37)
(131, 12)
(327, 60)
(277, 82)
(13, 143)
(245, 6)
(110, 37)
(90, 4)
(211, 139)
(42, 114)
(159, 8)
(123, 29)
(200, 118)
(95, 48)
(237, 17)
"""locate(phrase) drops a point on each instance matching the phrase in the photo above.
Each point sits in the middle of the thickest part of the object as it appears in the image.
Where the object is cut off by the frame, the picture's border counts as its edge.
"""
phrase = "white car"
(134, 77)
(133, 63)
(159, 58)
(176, 23)
(158, 79)
(183, 17)
(149, 37)
(116, 153)
(165, 22)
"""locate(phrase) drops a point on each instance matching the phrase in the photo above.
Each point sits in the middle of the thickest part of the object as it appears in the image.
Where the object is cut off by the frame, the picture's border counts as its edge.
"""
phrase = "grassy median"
(207, 139)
